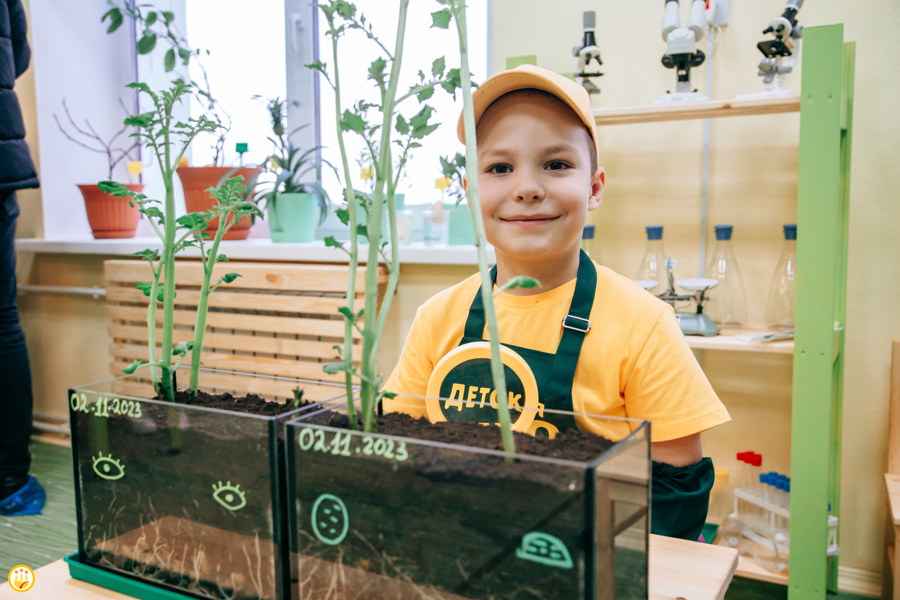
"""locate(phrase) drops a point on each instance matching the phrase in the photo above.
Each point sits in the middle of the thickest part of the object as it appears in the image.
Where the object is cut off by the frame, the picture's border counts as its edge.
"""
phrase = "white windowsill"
(256, 249)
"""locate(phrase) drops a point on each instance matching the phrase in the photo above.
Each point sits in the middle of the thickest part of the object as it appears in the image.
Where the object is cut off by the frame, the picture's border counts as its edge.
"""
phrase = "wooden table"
(678, 569)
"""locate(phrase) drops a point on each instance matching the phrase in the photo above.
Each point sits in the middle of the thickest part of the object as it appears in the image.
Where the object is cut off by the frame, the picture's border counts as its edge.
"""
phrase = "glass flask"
(587, 241)
(652, 273)
(780, 307)
(726, 304)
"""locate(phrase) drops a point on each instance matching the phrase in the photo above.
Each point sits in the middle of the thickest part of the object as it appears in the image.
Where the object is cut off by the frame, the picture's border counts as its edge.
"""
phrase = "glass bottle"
(652, 273)
(780, 307)
(587, 240)
(726, 304)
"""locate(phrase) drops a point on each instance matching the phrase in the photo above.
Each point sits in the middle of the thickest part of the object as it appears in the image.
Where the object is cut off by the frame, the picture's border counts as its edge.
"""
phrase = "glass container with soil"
(421, 510)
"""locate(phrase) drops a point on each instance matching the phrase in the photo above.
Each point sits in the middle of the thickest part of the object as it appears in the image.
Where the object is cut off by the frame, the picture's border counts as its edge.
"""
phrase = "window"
(254, 49)
(423, 44)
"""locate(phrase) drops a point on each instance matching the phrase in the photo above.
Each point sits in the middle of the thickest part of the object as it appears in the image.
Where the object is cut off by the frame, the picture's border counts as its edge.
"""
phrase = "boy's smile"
(536, 185)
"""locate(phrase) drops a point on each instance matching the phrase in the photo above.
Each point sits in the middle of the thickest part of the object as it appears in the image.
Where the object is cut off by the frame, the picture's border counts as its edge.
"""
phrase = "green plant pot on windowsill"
(294, 217)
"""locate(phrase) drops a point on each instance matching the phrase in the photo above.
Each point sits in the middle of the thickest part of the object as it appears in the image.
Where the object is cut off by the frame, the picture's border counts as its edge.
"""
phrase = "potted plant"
(460, 226)
(155, 501)
(108, 216)
(158, 26)
(295, 207)
(380, 509)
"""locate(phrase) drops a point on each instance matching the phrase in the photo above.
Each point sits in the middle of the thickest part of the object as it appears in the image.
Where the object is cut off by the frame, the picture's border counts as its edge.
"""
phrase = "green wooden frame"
(826, 109)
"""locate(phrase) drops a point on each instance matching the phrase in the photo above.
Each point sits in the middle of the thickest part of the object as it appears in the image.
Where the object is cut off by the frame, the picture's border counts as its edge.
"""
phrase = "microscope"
(587, 53)
(780, 53)
(681, 49)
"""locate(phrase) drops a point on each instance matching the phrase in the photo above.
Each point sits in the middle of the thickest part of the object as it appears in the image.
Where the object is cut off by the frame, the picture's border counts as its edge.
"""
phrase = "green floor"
(39, 540)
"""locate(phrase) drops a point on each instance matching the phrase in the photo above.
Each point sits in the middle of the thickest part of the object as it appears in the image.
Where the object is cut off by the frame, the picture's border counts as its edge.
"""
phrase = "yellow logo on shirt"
(461, 387)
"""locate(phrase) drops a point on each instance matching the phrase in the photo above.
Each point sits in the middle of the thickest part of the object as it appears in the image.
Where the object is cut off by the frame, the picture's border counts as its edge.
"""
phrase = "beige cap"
(526, 77)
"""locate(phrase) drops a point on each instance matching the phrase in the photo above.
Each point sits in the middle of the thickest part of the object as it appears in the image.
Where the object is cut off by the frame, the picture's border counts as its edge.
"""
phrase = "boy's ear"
(598, 181)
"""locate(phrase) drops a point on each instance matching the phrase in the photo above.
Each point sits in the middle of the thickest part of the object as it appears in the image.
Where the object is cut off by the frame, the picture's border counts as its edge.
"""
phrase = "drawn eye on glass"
(108, 467)
(229, 495)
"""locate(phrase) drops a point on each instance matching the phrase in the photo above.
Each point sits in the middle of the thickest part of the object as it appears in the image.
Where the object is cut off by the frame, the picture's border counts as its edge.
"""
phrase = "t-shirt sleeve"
(410, 376)
(667, 386)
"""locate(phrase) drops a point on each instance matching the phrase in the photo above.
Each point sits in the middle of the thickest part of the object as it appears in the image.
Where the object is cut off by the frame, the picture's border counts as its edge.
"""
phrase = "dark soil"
(571, 444)
(251, 404)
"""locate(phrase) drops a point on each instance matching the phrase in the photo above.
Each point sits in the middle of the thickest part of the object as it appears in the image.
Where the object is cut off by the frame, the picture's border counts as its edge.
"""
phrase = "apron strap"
(575, 325)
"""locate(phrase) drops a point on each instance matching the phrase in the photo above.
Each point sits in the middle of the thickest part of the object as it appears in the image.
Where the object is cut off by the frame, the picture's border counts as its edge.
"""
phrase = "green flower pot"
(293, 217)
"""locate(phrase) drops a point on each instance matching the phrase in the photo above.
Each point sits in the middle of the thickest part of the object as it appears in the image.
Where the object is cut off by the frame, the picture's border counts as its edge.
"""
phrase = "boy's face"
(536, 180)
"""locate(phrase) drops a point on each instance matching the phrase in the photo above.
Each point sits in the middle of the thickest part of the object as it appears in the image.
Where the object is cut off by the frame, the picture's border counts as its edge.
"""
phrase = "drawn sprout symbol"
(330, 520)
(229, 495)
(545, 549)
(108, 467)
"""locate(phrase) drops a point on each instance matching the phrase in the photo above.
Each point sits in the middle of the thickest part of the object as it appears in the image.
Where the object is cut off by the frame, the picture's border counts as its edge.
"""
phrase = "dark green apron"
(679, 495)
(554, 372)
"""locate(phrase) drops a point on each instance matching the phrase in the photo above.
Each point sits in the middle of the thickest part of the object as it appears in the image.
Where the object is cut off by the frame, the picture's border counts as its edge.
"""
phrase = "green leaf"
(345, 9)
(343, 215)
(133, 366)
(437, 67)
(352, 122)
(402, 126)
(115, 19)
(168, 16)
(330, 242)
(170, 60)
(376, 70)
(195, 221)
(229, 277)
(185, 55)
(424, 93)
(148, 255)
(143, 120)
(150, 18)
(144, 286)
(317, 66)
(333, 368)
(520, 281)
(147, 43)
(452, 81)
(441, 18)
(348, 314)
(182, 348)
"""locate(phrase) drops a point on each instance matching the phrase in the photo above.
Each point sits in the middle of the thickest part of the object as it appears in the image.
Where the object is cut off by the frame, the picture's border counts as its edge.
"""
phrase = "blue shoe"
(29, 500)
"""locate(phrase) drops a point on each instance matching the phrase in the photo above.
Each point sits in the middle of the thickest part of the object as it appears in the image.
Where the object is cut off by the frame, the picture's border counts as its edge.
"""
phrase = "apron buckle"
(582, 325)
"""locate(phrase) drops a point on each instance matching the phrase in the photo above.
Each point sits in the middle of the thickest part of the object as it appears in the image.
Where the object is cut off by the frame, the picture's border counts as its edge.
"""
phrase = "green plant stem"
(490, 314)
(151, 323)
(208, 261)
(373, 324)
(350, 196)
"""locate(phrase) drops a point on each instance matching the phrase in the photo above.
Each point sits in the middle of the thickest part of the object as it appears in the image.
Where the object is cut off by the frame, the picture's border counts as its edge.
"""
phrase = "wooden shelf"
(728, 340)
(697, 110)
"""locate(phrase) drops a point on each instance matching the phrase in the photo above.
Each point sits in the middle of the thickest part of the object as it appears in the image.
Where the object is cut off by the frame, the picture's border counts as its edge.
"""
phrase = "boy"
(594, 341)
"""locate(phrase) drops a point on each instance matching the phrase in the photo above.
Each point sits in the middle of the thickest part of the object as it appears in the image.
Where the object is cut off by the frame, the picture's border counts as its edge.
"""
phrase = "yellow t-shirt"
(634, 361)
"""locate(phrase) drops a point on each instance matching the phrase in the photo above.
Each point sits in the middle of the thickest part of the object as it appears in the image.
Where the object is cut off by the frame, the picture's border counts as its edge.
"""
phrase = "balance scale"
(695, 323)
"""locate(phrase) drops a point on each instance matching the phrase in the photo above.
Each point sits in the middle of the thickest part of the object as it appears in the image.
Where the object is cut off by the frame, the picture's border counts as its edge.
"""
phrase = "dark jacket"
(16, 167)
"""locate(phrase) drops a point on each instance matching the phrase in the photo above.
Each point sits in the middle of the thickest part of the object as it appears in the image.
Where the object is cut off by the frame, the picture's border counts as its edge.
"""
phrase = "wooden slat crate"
(277, 319)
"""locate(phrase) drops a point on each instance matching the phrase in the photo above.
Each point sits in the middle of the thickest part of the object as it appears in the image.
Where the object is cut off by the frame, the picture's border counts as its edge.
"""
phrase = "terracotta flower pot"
(108, 216)
(196, 180)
